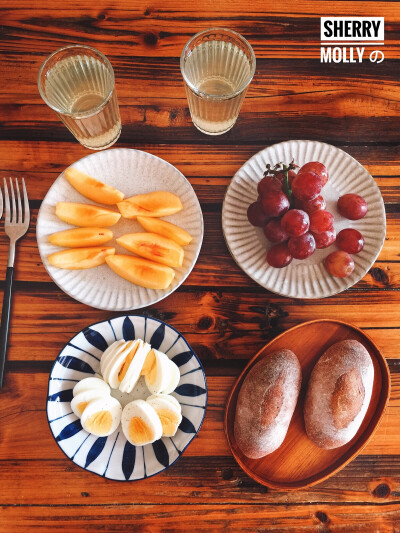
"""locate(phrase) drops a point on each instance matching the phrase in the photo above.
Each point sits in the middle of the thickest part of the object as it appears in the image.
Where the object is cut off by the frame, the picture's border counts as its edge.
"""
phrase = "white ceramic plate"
(308, 278)
(132, 172)
(113, 457)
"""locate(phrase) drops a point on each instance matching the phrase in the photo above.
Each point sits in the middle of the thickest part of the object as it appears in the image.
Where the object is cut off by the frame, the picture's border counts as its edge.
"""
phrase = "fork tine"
(26, 204)
(6, 203)
(13, 209)
(19, 203)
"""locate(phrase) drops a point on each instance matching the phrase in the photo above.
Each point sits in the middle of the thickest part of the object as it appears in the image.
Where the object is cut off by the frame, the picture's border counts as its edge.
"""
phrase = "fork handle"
(5, 321)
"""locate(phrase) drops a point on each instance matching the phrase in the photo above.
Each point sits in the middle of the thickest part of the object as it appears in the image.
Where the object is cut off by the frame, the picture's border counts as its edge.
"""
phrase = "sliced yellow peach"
(93, 189)
(81, 258)
(152, 204)
(86, 215)
(81, 237)
(141, 271)
(153, 247)
(166, 229)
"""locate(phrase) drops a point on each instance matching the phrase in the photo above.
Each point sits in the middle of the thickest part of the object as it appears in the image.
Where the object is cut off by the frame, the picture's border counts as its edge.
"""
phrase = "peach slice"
(86, 215)
(91, 188)
(153, 247)
(166, 229)
(152, 204)
(80, 237)
(141, 271)
(81, 258)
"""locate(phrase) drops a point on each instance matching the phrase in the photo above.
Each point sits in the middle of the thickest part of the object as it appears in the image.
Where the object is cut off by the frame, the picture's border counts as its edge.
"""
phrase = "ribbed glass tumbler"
(217, 66)
(78, 83)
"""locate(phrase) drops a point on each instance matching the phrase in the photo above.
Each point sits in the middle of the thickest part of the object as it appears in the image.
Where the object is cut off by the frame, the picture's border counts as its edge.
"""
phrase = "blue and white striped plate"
(113, 457)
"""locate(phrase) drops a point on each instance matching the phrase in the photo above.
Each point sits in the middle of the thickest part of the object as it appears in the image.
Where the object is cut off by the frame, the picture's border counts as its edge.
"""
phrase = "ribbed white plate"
(308, 278)
(132, 172)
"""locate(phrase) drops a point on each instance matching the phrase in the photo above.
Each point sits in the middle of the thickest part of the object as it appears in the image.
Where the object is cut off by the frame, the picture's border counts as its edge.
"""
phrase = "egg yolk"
(149, 366)
(99, 423)
(82, 406)
(139, 431)
(127, 362)
(169, 421)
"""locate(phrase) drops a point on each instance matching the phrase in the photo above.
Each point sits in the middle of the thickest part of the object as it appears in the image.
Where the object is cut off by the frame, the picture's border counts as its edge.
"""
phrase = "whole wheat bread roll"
(338, 394)
(266, 402)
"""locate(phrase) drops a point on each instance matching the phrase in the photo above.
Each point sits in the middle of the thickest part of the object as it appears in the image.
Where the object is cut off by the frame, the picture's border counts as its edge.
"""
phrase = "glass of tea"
(78, 83)
(217, 66)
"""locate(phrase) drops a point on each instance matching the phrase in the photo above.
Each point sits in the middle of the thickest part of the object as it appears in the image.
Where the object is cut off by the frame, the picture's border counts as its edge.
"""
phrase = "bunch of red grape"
(293, 214)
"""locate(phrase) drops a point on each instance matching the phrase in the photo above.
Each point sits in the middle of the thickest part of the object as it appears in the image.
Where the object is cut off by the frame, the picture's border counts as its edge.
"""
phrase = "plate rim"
(127, 309)
(194, 435)
(252, 276)
(310, 481)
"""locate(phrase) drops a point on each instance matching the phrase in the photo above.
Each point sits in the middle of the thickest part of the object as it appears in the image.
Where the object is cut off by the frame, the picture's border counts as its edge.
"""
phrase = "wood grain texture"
(225, 316)
(369, 478)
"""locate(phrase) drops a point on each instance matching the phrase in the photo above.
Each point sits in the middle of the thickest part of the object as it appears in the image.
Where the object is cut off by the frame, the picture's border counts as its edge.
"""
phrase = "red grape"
(339, 264)
(274, 232)
(278, 256)
(302, 247)
(352, 206)
(306, 186)
(275, 203)
(321, 221)
(310, 206)
(256, 215)
(317, 168)
(269, 183)
(295, 222)
(325, 238)
(350, 240)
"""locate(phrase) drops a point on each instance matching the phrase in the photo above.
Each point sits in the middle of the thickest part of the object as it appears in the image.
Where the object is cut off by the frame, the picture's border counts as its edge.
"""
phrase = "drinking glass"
(78, 83)
(217, 66)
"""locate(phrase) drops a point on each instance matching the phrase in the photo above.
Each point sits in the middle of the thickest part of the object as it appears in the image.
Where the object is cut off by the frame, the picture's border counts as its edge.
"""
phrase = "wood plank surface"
(224, 315)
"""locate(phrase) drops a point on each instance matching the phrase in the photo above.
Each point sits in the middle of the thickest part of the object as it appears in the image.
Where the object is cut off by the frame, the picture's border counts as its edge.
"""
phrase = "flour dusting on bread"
(338, 395)
(266, 403)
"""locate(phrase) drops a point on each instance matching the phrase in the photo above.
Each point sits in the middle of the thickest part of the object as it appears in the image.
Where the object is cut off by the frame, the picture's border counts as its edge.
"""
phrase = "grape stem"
(282, 168)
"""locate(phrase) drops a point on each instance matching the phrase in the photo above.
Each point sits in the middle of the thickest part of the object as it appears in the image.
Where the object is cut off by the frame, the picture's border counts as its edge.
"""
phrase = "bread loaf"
(338, 394)
(266, 402)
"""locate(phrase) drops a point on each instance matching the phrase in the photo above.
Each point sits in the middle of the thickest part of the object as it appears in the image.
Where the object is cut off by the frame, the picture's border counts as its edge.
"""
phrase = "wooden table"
(224, 315)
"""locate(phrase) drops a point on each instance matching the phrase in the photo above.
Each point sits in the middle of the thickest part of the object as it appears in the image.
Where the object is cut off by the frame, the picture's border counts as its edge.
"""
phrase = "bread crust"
(338, 394)
(266, 402)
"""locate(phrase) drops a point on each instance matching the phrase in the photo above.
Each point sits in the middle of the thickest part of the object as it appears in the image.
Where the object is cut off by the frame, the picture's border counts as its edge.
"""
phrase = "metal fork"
(16, 224)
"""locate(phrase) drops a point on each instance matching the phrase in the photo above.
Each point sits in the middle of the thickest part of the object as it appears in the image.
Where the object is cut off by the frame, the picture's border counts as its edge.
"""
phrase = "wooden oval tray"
(298, 463)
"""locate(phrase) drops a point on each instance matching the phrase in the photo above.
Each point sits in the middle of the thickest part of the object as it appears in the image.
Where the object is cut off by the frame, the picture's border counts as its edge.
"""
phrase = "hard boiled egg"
(168, 412)
(166, 397)
(113, 359)
(102, 416)
(91, 384)
(121, 364)
(175, 377)
(132, 367)
(140, 423)
(82, 399)
(157, 371)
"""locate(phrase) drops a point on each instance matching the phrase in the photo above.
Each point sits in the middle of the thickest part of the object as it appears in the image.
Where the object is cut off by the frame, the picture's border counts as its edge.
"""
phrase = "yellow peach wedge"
(81, 258)
(141, 271)
(165, 229)
(81, 237)
(86, 215)
(153, 247)
(93, 189)
(152, 204)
